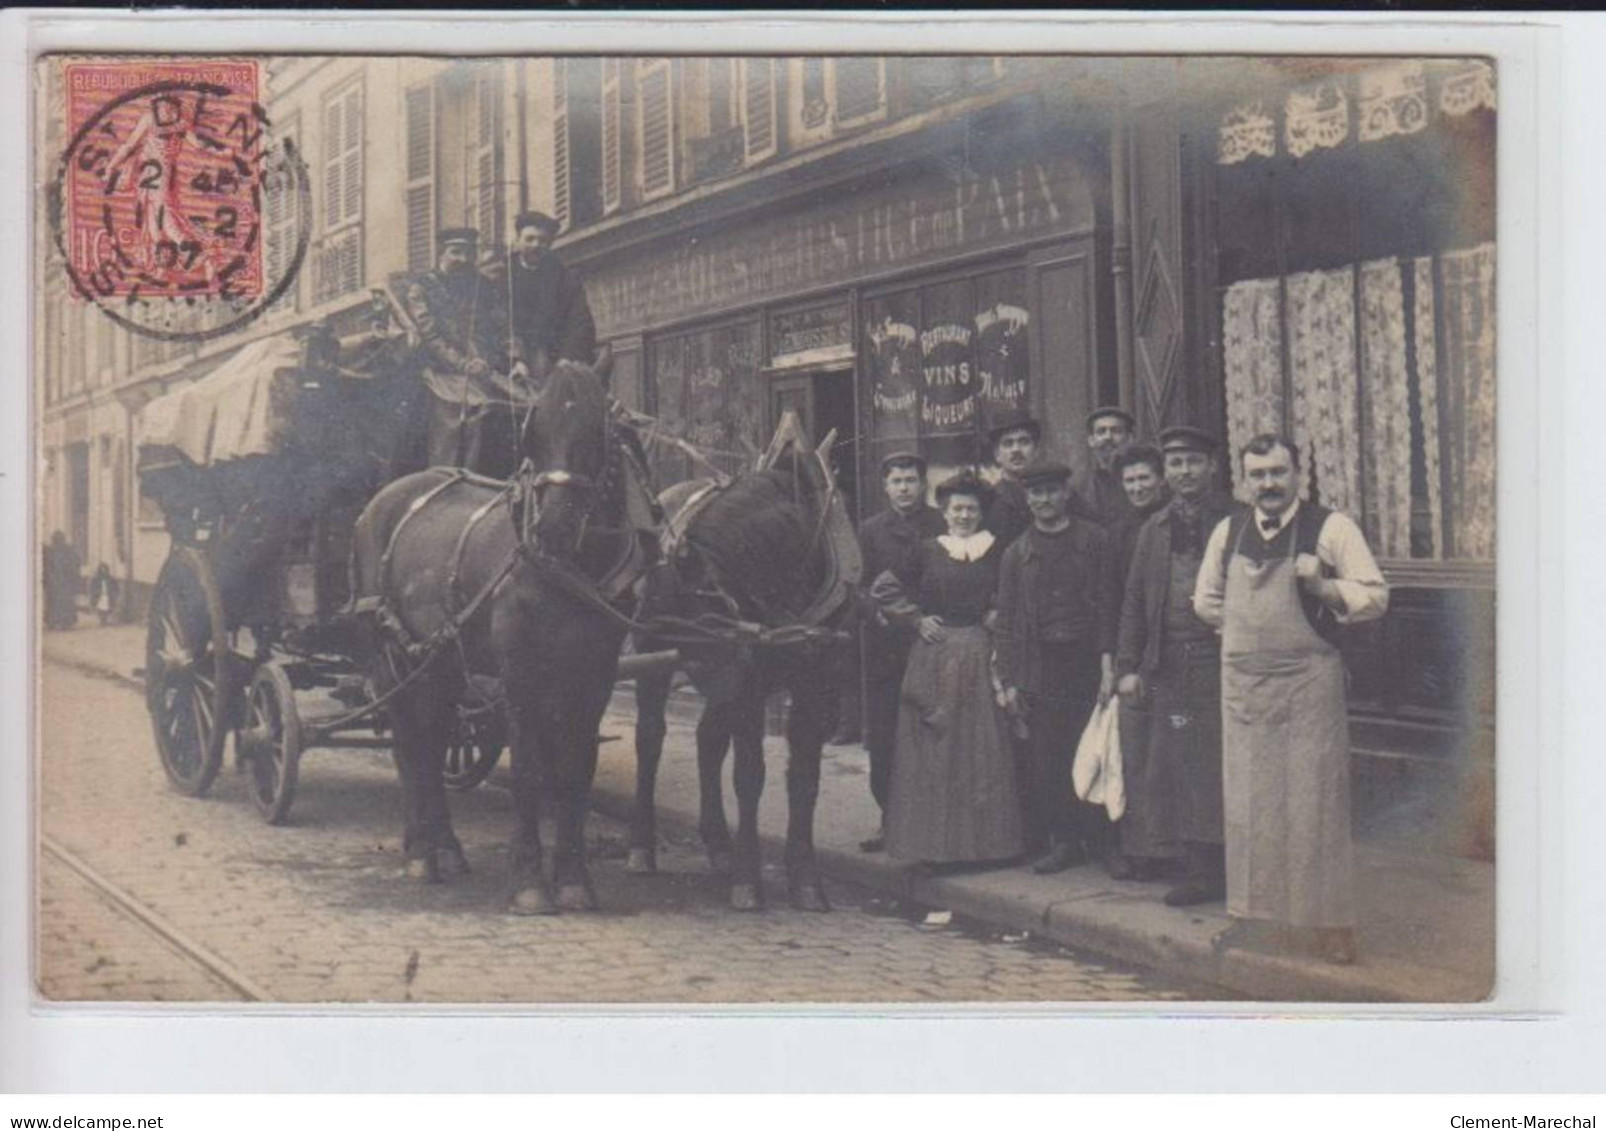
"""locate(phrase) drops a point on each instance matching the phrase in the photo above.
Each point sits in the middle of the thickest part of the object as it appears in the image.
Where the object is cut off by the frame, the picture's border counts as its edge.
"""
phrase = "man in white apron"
(1278, 579)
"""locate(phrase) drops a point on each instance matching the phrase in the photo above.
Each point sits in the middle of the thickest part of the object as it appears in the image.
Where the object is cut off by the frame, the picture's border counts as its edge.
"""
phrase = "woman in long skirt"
(953, 795)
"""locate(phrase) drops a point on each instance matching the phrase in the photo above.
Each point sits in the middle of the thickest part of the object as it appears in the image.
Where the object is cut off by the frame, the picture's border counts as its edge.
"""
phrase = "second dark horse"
(458, 576)
(760, 548)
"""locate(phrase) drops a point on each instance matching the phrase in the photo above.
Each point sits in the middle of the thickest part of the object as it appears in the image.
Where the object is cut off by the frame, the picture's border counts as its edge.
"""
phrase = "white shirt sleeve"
(1342, 547)
(1210, 589)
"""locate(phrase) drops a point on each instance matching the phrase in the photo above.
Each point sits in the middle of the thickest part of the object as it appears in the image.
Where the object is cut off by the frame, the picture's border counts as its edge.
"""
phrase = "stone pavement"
(1427, 921)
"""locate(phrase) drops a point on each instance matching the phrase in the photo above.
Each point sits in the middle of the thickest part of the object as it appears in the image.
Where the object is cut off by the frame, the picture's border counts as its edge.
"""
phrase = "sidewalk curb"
(1259, 976)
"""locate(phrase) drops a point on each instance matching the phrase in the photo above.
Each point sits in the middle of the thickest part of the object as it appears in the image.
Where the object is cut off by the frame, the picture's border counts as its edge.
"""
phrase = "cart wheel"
(187, 686)
(475, 749)
(270, 742)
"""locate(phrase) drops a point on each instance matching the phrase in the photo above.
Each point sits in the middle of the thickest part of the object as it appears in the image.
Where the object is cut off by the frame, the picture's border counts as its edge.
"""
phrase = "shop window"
(707, 390)
(1383, 374)
(944, 361)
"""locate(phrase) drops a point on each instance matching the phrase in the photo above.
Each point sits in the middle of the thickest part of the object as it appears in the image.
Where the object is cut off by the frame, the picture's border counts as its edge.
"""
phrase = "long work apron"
(1285, 746)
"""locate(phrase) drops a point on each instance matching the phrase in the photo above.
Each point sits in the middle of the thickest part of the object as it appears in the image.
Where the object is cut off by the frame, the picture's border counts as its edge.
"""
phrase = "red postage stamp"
(163, 173)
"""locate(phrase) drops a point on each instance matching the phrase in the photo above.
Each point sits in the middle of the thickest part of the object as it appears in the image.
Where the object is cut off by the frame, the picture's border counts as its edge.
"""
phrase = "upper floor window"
(577, 133)
(418, 109)
(339, 268)
(281, 207)
(655, 129)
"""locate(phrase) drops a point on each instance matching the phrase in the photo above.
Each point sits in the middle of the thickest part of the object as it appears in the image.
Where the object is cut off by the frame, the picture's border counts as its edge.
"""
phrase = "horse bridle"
(530, 483)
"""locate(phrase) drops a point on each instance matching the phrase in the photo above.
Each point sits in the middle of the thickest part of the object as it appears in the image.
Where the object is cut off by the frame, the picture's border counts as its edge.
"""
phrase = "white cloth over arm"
(1210, 587)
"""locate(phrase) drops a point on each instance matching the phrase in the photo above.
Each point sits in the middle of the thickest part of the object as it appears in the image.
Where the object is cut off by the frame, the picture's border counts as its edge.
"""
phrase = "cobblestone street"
(319, 910)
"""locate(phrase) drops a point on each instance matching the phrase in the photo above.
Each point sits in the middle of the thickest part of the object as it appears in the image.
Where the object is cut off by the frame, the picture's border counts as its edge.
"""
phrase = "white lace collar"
(967, 549)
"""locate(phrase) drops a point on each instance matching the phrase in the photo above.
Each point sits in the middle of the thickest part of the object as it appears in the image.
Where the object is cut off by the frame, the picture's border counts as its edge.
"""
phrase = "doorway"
(824, 399)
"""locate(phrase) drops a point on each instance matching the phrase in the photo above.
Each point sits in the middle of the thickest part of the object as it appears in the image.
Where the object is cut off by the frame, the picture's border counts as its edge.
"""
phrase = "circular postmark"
(169, 194)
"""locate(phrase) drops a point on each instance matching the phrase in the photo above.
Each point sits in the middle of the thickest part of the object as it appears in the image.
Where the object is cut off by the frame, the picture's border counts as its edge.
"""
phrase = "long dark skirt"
(954, 795)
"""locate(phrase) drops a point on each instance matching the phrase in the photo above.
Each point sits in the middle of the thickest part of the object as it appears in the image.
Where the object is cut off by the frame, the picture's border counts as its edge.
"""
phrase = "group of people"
(1012, 610)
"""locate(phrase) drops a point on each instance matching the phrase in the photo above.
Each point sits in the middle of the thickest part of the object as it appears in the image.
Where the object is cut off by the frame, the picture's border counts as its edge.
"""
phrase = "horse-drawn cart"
(261, 469)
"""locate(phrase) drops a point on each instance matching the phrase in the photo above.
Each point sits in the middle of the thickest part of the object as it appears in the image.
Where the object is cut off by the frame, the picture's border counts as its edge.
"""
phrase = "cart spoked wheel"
(270, 743)
(475, 749)
(187, 685)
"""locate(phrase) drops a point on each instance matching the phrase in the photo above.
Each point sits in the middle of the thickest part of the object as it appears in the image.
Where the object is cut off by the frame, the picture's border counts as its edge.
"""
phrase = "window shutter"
(560, 140)
(420, 109)
(333, 129)
(860, 88)
(487, 186)
(352, 175)
(758, 109)
(612, 142)
(655, 128)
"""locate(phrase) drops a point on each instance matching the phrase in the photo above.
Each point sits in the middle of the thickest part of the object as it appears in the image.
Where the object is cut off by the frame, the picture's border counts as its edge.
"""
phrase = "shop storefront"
(907, 307)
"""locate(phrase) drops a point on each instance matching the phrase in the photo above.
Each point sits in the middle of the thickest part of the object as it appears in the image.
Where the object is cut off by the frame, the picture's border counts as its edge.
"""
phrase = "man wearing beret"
(461, 323)
(1101, 497)
(1013, 444)
(551, 318)
(887, 541)
(1169, 665)
(1055, 639)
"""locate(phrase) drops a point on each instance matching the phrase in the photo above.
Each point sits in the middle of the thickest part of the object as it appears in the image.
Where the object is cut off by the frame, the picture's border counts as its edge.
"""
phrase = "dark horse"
(761, 548)
(460, 575)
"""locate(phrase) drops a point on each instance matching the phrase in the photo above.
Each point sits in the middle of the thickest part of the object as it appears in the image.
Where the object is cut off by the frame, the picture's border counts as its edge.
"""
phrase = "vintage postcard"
(726, 529)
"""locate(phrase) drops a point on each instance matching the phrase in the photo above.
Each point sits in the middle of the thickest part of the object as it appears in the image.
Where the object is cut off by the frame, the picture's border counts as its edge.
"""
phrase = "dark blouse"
(935, 585)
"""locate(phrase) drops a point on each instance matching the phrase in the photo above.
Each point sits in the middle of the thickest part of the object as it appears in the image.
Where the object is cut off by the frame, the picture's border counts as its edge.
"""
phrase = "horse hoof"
(810, 897)
(747, 897)
(721, 861)
(425, 869)
(532, 901)
(452, 862)
(642, 861)
(577, 897)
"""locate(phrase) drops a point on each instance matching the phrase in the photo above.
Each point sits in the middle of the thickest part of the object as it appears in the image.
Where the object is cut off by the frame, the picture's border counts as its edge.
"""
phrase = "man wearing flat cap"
(1013, 443)
(887, 541)
(551, 319)
(1100, 495)
(461, 323)
(1169, 665)
(1055, 640)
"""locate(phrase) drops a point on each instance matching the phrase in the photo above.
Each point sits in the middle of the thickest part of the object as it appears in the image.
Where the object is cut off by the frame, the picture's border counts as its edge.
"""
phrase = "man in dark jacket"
(552, 320)
(461, 322)
(1056, 635)
(887, 541)
(1169, 665)
(1101, 497)
(1013, 444)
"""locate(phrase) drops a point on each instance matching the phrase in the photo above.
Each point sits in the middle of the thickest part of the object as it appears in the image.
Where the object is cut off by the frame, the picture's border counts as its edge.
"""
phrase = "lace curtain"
(1252, 347)
(1385, 409)
(1466, 360)
(1347, 393)
(1321, 357)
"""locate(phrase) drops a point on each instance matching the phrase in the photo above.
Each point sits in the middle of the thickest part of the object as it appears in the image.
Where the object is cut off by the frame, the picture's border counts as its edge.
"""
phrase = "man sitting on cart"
(461, 321)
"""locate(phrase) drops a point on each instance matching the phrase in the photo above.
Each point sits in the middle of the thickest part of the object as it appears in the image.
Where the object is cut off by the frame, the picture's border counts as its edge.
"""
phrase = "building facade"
(905, 249)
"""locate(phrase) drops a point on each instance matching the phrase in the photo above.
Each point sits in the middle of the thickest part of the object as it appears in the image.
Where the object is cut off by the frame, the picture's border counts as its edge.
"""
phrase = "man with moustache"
(1169, 665)
(1055, 639)
(1013, 443)
(1278, 579)
(1101, 497)
(887, 541)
